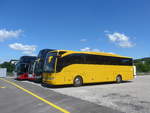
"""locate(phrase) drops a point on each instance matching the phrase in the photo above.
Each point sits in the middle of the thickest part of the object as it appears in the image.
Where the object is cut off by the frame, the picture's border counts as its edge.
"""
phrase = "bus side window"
(126, 61)
(72, 59)
(77, 58)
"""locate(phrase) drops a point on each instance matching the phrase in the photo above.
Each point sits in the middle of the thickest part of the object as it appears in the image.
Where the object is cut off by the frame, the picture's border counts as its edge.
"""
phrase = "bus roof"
(90, 52)
(42, 53)
(27, 59)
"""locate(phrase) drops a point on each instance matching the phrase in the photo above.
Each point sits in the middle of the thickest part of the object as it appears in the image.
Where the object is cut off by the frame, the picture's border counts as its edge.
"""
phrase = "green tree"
(142, 67)
(10, 67)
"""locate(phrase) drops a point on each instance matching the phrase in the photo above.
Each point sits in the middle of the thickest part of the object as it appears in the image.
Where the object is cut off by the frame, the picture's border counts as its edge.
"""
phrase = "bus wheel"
(78, 81)
(119, 79)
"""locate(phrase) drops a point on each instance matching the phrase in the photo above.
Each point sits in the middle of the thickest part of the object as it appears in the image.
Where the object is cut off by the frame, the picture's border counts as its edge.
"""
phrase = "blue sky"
(116, 26)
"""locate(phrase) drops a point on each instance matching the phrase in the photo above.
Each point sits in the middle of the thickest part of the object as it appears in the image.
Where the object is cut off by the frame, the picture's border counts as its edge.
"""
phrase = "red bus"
(22, 67)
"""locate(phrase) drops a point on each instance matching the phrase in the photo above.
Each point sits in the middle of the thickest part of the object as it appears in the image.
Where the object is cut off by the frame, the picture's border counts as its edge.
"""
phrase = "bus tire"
(118, 79)
(78, 81)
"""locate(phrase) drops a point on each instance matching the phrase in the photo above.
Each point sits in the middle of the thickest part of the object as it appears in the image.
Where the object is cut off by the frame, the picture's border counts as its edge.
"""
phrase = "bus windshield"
(31, 67)
(27, 59)
(21, 68)
(49, 65)
(38, 67)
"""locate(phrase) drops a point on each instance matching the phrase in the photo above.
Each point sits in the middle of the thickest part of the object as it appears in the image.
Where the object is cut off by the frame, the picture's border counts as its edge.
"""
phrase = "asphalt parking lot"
(28, 97)
(128, 97)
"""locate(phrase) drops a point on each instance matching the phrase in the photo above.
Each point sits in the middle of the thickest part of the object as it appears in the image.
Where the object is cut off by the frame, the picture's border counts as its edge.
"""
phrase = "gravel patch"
(129, 97)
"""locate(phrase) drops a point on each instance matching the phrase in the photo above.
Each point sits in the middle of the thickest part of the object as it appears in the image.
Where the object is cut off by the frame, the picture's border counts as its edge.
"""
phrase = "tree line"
(142, 65)
(10, 67)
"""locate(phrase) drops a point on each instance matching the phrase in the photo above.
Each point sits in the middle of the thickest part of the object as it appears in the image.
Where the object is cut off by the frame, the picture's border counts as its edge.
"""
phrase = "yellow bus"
(71, 67)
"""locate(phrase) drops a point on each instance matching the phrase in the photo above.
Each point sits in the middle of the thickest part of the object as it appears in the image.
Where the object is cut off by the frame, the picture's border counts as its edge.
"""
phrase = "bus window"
(49, 65)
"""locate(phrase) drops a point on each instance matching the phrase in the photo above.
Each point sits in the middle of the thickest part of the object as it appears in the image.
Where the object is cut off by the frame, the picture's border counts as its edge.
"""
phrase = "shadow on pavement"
(84, 85)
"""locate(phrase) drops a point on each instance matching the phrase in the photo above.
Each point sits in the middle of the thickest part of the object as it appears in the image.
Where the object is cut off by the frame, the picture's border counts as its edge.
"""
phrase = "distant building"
(14, 61)
(3, 72)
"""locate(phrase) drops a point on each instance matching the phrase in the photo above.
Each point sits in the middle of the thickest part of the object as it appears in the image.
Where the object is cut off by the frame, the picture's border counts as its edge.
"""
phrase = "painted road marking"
(38, 97)
(2, 87)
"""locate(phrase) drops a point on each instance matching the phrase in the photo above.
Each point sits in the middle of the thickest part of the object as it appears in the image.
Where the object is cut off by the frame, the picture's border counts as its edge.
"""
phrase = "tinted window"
(126, 61)
(107, 60)
(91, 59)
(27, 59)
(39, 67)
(94, 59)
(31, 67)
(49, 65)
(43, 52)
(22, 68)
(73, 59)
(69, 60)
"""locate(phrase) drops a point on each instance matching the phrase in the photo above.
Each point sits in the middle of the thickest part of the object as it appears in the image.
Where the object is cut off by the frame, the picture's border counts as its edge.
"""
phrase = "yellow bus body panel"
(89, 73)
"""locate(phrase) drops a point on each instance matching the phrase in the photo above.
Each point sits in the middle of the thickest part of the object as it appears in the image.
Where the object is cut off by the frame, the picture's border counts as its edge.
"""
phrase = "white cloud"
(89, 49)
(83, 40)
(94, 50)
(120, 39)
(26, 49)
(6, 34)
(19, 46)
(29, 53)
(86, 49)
